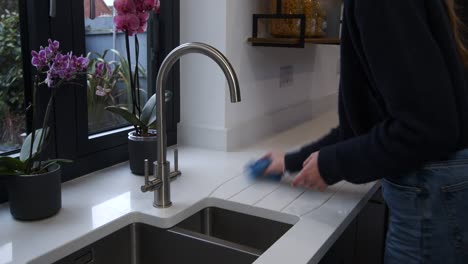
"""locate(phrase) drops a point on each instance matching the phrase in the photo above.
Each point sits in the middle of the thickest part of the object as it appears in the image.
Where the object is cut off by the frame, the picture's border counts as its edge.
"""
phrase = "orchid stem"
(137, 80)
(46, 120)
(132, 86)
(33, 126)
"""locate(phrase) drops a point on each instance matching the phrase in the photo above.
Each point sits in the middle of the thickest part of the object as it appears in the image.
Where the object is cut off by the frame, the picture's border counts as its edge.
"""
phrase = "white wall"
(208, 118)
(202, 82)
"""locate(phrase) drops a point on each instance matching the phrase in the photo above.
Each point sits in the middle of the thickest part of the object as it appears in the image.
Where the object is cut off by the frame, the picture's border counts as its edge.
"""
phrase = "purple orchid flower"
(39, 59)
(102, 69)
(99, 70)
(101, 91)
(59, 66)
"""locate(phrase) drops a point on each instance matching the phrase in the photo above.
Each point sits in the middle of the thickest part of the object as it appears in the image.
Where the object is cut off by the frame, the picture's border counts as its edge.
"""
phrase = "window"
(92, 141)
(99, 145)
(12, 114)
(105, 43)
(14, 78)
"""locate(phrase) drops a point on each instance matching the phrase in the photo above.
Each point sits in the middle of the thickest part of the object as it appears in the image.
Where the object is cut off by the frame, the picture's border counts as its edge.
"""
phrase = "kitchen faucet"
(162, 173)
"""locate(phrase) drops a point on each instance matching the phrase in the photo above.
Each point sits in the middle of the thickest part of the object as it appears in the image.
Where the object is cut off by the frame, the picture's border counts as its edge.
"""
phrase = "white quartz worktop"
(105, 201)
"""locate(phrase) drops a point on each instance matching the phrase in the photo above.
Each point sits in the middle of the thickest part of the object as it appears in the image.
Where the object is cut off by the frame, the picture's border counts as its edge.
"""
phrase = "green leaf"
(143, 95)
(105, 53)
(59, 161)
(148, 114)
(25, 149)
(126, 114)
(116, 52)
(52, 162)
(11, 166)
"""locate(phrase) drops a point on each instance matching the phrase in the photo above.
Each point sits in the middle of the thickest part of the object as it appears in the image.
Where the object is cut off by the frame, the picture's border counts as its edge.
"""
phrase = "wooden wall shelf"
(292, 41)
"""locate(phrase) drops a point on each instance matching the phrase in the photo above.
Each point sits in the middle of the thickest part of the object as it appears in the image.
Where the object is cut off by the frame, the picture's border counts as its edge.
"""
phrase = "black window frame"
(72, 139)
(25, 39)
(69, 119)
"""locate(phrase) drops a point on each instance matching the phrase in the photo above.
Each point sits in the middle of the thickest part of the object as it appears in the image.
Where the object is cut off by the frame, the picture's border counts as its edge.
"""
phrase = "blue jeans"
(429, 214)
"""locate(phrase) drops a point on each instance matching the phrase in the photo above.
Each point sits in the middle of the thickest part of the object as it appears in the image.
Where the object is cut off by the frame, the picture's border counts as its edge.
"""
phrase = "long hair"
(458, 27)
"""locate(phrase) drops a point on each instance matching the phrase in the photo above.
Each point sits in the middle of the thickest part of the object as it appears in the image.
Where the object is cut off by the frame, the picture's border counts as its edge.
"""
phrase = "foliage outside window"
(108, 85)
(12, 125)
(105, 45)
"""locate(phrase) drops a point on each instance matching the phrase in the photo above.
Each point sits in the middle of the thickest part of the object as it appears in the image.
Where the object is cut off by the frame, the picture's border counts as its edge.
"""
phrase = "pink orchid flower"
(124, 6)
(157, 6)
(129, 23)
(145, 5)
(143, 17)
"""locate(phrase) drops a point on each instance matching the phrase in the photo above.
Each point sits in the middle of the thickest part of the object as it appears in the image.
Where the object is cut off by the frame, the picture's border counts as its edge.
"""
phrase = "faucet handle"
(176, 171)
(176, 159)
(151, 184)
(144, 188)
(146, 171)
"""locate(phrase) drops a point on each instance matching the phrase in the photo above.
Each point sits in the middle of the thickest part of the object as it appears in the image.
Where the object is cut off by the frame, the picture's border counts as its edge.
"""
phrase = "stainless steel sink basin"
(212, 235)
(247, 230)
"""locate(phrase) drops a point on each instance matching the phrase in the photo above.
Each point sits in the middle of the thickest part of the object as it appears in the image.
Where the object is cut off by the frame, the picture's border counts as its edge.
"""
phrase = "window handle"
(52, 8)
(92, 9)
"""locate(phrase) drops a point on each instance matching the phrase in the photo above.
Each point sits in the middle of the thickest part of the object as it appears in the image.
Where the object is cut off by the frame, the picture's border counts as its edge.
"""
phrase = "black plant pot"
(35, 197)
(141, 148)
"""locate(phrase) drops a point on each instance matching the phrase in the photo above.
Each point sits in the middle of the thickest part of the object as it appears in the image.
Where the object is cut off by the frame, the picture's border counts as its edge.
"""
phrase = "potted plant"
(34, 182)
(131, 18)
(107, 82)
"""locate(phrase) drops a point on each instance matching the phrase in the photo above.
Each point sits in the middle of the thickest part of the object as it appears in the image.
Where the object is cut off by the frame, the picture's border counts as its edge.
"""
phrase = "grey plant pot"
(141, 148)
(35, 197)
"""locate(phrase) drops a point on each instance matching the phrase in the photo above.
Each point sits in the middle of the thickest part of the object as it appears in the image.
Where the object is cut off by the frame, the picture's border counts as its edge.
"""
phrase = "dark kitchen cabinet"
(363, 240)
(370, 234)
(343, 251)
(463, 10)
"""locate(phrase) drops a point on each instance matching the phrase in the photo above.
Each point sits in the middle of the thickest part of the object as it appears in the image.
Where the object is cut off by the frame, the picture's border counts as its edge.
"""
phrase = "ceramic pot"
(35, 197)
(141, 148)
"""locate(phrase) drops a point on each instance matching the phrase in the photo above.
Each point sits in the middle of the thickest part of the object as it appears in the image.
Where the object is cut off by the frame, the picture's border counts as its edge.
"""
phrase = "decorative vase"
(315, 13)
(35, 197)
(141, 148)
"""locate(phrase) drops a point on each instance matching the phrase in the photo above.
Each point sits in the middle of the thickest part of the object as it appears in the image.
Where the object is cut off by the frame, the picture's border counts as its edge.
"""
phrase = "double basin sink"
(213, 235)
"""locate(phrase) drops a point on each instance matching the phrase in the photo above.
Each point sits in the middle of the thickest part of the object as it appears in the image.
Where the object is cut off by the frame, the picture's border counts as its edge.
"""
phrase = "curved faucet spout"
(162, 196)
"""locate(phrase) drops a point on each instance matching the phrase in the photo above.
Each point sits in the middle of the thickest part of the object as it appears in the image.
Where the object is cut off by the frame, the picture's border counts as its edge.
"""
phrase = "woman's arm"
(293, 161)
(409, 70)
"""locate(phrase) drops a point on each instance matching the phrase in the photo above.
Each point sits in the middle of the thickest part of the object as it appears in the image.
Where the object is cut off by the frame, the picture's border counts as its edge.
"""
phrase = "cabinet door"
(343, 251)
(370, 238)
(363, 241)
(463, 9)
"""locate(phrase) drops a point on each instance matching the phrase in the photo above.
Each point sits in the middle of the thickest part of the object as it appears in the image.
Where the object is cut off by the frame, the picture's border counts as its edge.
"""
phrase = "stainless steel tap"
(161, 183)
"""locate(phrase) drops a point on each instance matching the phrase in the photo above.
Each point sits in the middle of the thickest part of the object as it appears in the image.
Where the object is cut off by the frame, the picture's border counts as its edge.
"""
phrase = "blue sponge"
(257, 168)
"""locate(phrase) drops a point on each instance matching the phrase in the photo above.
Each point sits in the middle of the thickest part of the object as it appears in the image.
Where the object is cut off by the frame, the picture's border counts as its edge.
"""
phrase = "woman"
(403, 118)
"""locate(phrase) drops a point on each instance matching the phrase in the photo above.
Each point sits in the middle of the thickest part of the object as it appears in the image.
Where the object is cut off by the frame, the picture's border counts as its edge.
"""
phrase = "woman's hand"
(277, 162)
(309, 176)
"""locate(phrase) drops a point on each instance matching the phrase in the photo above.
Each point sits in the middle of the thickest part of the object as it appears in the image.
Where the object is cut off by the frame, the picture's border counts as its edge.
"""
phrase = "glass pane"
(112, 89)
(12, 114)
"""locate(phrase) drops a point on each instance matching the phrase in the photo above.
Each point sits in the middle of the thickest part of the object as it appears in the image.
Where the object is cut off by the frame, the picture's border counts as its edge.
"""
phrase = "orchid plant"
(132, 17)
(58, 69)
(103, 76)
(105, 80)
